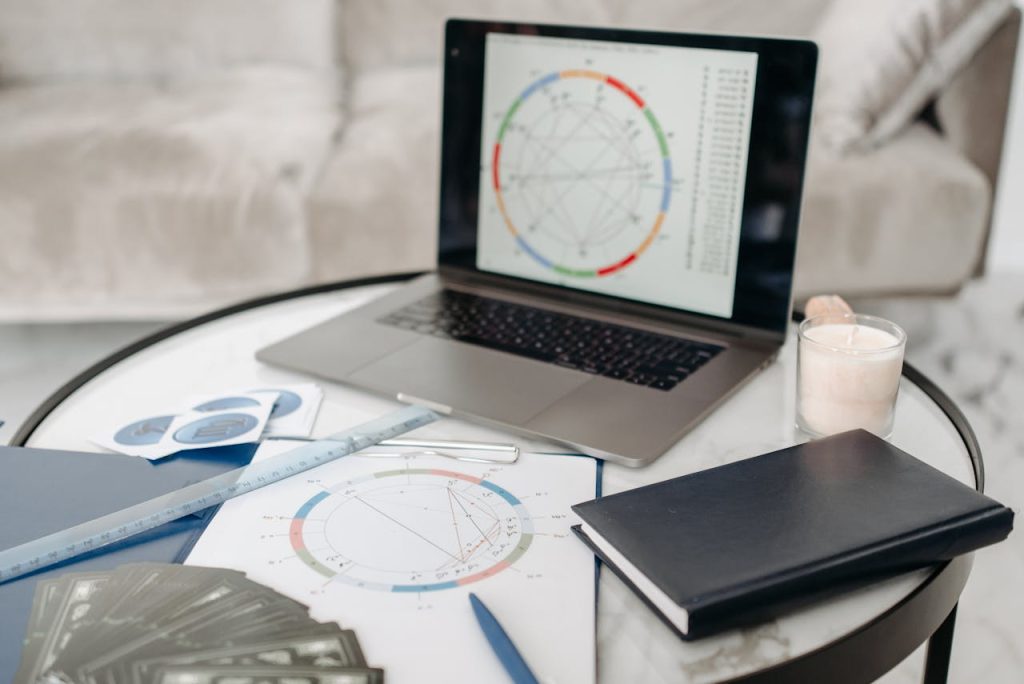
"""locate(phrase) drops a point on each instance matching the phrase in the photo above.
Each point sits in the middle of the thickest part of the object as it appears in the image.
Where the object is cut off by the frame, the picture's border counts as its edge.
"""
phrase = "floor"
(969, 345)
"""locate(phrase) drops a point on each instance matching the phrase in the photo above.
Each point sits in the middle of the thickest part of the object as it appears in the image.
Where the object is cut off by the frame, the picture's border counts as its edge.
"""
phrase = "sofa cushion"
(910, 216)
(882, 61)
(73, 39)
(135, 199)
(375, 208)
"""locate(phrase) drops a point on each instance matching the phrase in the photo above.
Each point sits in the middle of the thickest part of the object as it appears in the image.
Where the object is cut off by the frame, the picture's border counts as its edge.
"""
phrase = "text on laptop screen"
(616, 168)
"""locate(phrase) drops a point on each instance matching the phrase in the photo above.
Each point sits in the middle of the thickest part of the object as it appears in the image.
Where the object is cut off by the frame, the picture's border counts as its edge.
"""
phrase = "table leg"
(940, 645)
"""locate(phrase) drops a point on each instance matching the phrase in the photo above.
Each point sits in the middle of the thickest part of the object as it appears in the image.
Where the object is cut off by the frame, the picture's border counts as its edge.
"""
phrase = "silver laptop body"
(585, 409)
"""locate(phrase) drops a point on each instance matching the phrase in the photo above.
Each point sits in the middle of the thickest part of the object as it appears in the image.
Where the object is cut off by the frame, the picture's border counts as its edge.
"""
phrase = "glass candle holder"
(848, 374)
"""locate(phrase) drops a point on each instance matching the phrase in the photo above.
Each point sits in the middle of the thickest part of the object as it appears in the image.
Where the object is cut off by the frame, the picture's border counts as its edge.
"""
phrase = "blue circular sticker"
(215, 428)
(226, 403)
(286, 403)
(147, 431)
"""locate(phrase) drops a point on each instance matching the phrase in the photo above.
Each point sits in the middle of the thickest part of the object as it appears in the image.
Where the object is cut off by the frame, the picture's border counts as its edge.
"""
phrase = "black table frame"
(863, 655)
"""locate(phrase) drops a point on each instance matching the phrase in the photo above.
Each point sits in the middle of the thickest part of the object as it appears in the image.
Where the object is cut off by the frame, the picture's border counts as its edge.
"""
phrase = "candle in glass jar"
(848, 374)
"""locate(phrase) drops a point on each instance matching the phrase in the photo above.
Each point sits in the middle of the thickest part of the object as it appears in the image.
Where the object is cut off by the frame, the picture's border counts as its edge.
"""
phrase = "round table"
(853, 638)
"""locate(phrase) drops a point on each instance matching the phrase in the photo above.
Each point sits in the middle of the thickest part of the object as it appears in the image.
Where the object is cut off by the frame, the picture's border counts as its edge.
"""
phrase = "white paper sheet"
(391, 547)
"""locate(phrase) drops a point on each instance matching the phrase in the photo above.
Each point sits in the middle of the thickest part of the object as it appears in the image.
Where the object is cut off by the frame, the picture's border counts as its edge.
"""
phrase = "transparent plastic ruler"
(111, 528)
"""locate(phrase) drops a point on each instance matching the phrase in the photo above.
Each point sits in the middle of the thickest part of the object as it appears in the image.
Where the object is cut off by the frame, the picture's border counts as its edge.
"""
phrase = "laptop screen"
(660, 169)
(617, 168)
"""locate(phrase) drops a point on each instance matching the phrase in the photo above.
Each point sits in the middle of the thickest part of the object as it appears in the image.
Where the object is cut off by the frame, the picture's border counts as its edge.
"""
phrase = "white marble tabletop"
(633, 645)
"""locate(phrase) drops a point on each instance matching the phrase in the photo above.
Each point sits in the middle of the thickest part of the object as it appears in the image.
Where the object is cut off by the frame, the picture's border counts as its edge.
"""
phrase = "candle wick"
(849, 338)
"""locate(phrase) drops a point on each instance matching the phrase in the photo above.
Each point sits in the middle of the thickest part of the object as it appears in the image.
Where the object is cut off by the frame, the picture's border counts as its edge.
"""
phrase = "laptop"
(618, 223)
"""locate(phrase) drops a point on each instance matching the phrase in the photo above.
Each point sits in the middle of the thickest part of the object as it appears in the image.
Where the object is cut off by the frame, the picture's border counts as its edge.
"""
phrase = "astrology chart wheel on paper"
(389, 544)
(411, 529)
(581, 173)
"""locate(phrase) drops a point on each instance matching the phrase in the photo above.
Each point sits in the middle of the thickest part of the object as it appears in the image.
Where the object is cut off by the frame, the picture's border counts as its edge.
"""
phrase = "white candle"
(848, 374)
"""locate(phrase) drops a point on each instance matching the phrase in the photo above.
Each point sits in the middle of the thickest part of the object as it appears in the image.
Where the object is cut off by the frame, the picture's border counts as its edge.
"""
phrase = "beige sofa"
(161, 158)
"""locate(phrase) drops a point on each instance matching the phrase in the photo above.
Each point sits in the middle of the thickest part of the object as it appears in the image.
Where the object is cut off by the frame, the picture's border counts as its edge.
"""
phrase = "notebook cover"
(43, 491)
(743, 542)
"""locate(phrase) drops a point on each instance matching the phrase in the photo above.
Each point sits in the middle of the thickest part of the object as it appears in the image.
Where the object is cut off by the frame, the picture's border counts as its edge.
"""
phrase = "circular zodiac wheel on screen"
(411, 530)
(581, 173)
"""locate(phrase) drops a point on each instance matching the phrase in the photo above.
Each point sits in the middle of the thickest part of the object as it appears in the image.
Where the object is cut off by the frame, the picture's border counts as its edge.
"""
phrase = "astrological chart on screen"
(617, 168)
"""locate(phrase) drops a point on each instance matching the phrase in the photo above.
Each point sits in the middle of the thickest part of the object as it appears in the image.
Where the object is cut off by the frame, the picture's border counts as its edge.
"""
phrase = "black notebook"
(746, 541)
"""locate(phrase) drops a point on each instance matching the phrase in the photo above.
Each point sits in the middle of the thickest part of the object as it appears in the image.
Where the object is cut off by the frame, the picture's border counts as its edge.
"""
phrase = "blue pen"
(502, 645)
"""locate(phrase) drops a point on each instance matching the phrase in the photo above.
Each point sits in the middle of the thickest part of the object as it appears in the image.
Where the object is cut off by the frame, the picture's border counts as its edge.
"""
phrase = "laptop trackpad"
(473, 379)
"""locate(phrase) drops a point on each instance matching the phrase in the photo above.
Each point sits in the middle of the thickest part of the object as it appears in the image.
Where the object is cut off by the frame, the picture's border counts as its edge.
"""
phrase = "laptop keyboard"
(642, 358)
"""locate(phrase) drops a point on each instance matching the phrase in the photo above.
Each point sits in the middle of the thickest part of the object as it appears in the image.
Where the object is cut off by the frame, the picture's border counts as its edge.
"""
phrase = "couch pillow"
(883, 60)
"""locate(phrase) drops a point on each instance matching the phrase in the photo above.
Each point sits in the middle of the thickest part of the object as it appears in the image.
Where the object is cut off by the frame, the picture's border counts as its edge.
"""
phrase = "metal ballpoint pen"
(449, 444)
(509, 452)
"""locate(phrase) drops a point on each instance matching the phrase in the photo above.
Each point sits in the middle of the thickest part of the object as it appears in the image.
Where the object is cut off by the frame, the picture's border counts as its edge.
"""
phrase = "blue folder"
(43, 491)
